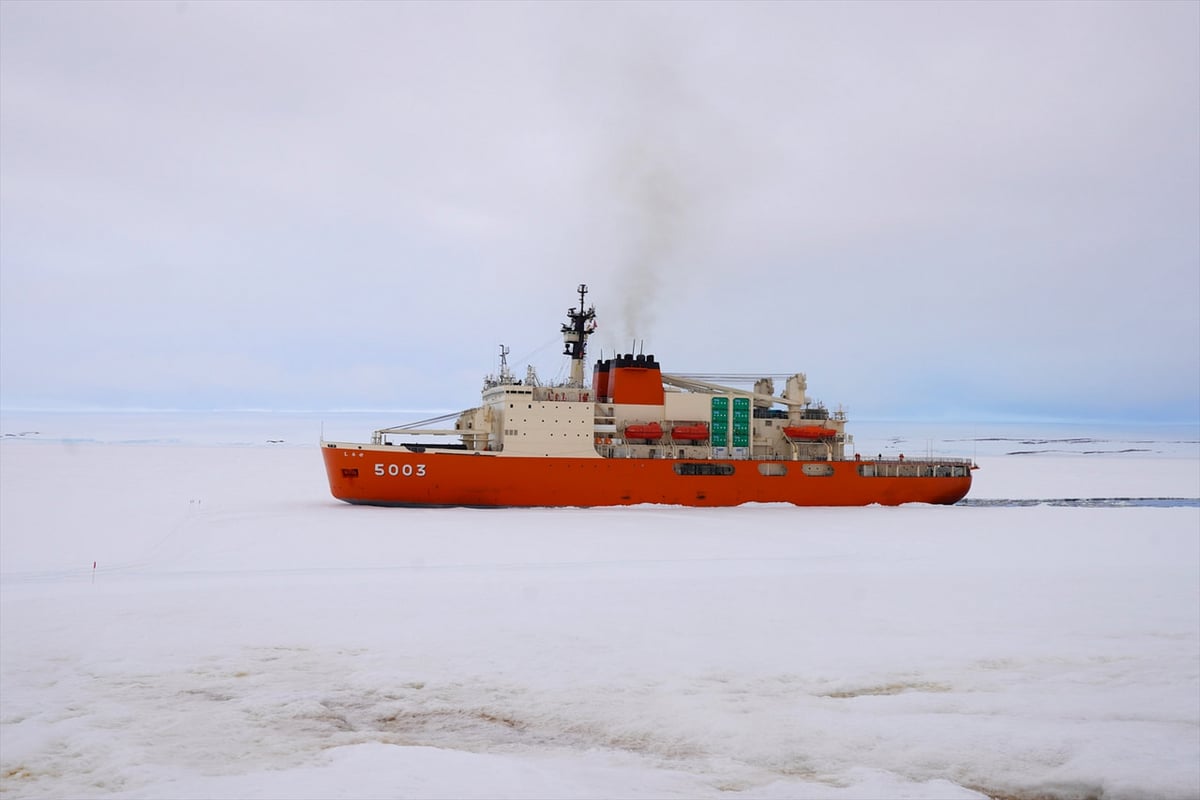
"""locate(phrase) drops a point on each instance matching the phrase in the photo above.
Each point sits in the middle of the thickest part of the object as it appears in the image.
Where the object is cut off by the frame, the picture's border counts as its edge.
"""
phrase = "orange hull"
(396, 476)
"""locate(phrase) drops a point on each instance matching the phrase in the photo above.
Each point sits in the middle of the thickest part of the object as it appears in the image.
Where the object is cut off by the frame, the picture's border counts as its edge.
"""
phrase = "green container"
(741, 422)
(719, 430)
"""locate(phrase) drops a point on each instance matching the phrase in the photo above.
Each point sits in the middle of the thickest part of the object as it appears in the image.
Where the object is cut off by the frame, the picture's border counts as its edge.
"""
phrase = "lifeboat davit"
(694, 433)
(809, 432)
(651, 430)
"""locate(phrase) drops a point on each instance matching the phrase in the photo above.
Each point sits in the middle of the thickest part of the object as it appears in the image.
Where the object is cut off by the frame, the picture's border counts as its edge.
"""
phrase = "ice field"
(245, 635)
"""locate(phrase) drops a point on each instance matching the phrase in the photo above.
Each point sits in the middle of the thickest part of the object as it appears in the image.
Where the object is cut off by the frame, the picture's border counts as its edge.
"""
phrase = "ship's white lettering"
(405, 470)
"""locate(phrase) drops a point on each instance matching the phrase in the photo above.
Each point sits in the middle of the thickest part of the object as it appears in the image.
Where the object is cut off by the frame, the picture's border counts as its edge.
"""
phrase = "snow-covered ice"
(244, 635)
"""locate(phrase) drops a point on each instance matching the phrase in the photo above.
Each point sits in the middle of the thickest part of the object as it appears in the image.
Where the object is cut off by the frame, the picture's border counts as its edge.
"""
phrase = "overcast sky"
(944, 210)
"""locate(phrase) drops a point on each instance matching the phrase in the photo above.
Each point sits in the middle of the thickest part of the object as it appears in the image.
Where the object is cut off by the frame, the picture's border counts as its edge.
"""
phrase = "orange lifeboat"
(695, 433)
(651, 430)
(809, 432)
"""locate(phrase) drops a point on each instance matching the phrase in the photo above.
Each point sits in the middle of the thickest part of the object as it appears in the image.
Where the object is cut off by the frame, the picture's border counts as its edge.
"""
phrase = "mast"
(575, 334)
(505, 375)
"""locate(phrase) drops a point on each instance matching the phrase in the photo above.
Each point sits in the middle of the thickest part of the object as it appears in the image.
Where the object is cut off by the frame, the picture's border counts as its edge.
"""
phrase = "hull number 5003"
(407, 470)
